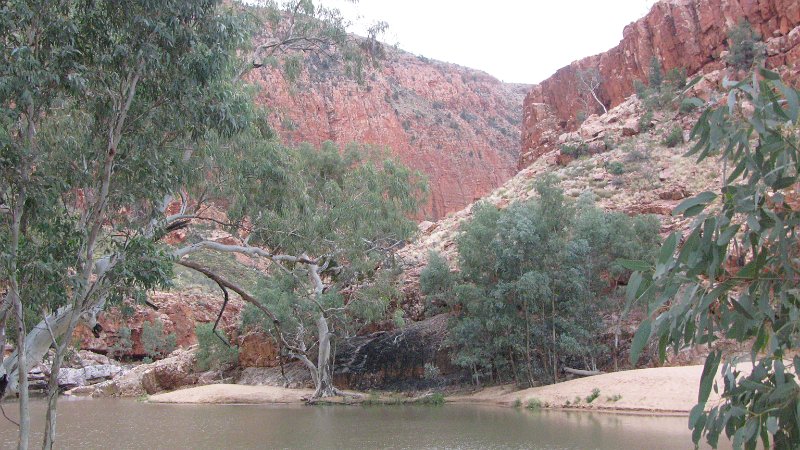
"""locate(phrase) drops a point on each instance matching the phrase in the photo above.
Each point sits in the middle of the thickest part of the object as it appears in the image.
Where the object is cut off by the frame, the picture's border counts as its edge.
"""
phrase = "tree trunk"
(324, 386)
(52, 383)
(555, 353)
(16, 303)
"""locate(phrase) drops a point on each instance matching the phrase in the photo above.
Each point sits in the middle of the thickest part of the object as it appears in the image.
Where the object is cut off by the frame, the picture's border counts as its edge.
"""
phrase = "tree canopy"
(536, 283)
(734, 275)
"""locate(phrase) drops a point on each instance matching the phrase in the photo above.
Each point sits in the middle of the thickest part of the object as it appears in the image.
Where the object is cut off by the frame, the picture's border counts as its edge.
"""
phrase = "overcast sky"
(521, 41)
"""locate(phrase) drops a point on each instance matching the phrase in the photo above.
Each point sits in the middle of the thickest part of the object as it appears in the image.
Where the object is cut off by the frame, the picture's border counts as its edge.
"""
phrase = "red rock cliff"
(682, 33)
(458, 126)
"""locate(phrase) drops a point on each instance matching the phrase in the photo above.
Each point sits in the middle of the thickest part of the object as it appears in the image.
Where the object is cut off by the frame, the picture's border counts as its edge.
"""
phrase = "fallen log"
(582, 373)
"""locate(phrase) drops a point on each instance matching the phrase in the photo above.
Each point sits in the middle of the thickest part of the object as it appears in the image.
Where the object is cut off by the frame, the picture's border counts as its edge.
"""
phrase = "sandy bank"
(656, 390)
(232, 394)
(661, 390)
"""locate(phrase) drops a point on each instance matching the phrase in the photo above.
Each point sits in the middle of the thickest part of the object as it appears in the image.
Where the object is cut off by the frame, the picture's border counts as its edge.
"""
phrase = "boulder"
(170, 373)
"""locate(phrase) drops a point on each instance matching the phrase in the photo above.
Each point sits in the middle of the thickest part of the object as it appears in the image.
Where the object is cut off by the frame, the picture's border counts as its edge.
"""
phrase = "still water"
(128, 424)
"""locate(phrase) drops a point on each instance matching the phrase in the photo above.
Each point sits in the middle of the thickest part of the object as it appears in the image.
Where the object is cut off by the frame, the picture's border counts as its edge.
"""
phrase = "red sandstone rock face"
(682, 33)
(179, 313)
(458, 126)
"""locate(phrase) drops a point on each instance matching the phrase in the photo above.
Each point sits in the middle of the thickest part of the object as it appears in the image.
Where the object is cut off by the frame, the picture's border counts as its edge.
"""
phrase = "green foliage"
(534, 404)
(656, 73)
(646, 120)
(745, 48)
(123, 345)
(67, 73)
(735, 274)
(212, 352)
(593, 396)
(663, 91)
(674, 137)
(435, 399)
(614, 398)
(575, 151)
(155, 342)
(615, 167)
(437, 282)
(641, 89)
(528, 273)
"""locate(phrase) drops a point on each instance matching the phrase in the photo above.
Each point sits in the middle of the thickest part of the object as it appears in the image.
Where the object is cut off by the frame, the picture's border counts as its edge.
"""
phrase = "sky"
(517, 41)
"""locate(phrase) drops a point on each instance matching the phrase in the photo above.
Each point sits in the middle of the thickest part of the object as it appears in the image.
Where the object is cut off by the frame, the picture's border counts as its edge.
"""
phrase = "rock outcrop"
(401, 358)
(179, 313)
(173, 372)
(690, 34)
(458, 126)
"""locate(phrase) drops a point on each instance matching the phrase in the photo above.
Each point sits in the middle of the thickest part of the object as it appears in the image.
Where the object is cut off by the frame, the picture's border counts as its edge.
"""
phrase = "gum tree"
(735, 274)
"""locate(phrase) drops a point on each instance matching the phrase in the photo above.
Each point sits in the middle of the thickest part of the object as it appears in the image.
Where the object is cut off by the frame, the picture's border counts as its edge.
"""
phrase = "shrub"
(581, 116)
(615, 168)
(744, 46)
(646, 121)
(641, 89)
(575, 151)
(656, 75)
(123, 345)
(467, 116)
(212, 352)
(436, 399)
(436, 282)
(687, 106)
(534, 403)
(593, 396)
(674, 137)
(157, 344)
(431, 371)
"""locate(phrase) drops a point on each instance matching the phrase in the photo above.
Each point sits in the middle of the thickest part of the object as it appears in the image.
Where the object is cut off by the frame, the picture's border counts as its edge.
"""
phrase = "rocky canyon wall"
(458, 126)
(690, 34)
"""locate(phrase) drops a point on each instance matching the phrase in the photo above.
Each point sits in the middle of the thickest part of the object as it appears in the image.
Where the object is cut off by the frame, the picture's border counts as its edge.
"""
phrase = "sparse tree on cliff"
(589, 81)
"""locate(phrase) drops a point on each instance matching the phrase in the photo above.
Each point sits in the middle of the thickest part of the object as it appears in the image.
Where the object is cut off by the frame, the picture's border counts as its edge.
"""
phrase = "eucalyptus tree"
(328, 220)
(735, 274)
(536, 282)
(102, 102)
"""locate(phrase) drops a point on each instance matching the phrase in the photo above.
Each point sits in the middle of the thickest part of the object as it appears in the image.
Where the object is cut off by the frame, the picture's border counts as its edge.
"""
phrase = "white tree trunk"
(324, 386)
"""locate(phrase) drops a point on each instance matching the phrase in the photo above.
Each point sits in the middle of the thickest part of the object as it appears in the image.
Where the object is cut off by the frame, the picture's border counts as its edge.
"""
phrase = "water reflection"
(126, 424)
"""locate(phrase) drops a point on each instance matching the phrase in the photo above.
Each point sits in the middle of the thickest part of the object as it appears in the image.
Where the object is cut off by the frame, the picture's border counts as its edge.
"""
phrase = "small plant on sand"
(517, 403)
(593, 396)
(534, 403)
(614, 398)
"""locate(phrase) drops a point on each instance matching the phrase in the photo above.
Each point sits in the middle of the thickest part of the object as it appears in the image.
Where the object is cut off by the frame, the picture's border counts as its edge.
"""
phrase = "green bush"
(534, 403)
(593, 396)
(674, 137)
(615, 168)
(575, 151)
(646, 121)
(123, 345)
(641, 89)
(744, 46)
(157, 344)
(436, 282)
(212, 353)
(656, 75)
(526, 273)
